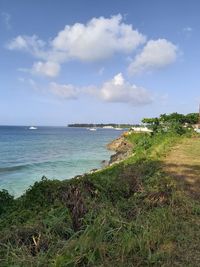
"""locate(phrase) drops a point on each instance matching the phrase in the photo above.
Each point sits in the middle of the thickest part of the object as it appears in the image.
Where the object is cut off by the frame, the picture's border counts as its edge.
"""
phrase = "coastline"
(30, 155)
(122, 149)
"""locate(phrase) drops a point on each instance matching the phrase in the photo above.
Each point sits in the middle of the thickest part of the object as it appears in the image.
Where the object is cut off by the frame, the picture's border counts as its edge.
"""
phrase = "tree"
(192, 118)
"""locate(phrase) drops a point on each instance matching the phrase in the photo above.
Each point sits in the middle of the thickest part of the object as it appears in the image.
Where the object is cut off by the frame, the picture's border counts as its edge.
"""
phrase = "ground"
(183, 163)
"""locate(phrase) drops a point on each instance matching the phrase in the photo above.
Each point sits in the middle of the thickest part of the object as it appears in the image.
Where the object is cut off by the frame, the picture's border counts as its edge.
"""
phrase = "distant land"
(114, 125)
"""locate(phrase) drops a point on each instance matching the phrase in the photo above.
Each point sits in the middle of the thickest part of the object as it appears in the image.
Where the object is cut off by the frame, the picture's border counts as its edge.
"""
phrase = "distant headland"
(102, 125)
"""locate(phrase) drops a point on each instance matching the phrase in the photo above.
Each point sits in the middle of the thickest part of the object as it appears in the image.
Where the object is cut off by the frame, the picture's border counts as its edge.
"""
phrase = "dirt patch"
(183, 163)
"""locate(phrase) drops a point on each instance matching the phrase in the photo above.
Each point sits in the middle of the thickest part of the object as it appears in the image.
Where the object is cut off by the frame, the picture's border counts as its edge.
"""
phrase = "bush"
(6, 201)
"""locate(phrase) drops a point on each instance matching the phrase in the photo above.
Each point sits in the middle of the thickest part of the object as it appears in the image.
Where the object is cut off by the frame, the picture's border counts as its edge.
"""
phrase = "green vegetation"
(172, 122)
(191, 118)
(129, 214)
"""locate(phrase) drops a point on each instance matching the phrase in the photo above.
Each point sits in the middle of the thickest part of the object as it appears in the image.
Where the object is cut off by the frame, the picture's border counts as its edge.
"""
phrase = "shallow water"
(55, 152)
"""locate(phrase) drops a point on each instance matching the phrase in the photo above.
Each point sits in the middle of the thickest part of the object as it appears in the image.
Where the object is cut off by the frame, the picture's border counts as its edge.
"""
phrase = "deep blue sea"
(55, 152)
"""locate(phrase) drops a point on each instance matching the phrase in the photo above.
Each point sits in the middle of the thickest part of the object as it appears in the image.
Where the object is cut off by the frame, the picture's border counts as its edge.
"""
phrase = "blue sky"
(97, 61)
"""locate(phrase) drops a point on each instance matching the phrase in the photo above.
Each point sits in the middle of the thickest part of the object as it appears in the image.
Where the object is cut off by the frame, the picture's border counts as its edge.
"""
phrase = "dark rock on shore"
(105, 163)
(122, 147)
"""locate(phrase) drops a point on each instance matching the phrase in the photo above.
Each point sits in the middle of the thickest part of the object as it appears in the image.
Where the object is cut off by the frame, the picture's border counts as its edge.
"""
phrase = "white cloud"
(48, 68)
(98, 39)
(156, 54)
(66, 91)
(118, 90)
(18, 43)
(6, 17)
(31, 44)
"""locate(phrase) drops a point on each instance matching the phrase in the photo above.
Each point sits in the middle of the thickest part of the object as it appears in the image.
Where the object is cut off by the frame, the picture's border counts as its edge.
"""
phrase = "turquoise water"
(55, 152)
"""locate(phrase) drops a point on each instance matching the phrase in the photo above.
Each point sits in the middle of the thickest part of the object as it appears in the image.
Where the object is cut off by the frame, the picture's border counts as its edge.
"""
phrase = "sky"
(102, 61)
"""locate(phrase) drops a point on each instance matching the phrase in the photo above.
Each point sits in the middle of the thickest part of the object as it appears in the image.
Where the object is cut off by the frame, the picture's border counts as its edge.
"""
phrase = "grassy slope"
(183, 164)
(130, 214)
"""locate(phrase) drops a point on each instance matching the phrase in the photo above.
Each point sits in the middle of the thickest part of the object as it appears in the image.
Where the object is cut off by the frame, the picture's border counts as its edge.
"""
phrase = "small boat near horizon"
(108, 127)
(92, 128)
(118, 128)
(32, 128)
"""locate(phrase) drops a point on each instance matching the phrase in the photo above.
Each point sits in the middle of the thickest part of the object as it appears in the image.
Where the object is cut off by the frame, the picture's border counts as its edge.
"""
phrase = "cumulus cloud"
(48, 68)
(66, 91)
(116, 90)
(119, 91)
(31, 44)
(98, 39)
(156, 54)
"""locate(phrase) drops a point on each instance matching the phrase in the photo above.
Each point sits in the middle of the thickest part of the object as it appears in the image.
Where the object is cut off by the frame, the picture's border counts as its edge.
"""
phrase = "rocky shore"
(122, 147)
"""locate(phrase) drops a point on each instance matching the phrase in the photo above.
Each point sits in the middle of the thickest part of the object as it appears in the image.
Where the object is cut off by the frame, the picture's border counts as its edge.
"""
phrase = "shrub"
(6, 201)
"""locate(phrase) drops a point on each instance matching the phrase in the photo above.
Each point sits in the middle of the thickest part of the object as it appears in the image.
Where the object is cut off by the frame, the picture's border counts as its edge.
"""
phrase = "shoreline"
(122, 149)
(76, 152)
(119, 151)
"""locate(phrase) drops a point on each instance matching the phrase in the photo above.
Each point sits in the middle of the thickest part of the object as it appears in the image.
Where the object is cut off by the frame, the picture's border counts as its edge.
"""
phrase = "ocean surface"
(55, 152)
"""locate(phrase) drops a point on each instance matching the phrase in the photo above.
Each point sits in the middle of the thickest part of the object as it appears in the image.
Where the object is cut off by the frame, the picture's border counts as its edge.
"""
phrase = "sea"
(54, 152)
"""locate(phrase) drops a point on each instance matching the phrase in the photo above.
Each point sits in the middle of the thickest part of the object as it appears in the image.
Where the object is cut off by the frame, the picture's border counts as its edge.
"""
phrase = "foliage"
(6, 201)
(174, 122)
(192, 118)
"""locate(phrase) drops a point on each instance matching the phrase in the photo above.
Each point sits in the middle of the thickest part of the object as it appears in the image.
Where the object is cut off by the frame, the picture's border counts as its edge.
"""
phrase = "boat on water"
(32, 128)
(92, 128)
(108, 127)
(118, 128)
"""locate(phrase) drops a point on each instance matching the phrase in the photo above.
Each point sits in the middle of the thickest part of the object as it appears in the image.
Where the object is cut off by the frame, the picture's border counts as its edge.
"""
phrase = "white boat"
(108, 127)
(118, 128)
(92, 129)
(32, 128)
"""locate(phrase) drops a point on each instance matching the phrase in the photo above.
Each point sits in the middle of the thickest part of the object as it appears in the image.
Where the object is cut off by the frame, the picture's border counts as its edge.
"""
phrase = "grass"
(130, 214)
(183, 163)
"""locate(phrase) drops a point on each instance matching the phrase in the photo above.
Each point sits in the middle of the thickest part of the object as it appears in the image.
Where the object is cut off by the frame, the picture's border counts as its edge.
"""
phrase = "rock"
(115, 144)
(105, 163)
(122, 147)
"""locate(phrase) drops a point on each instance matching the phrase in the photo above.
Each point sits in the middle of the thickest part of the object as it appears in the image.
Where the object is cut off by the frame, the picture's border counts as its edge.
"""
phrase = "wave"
(32, 165)
(14, 168)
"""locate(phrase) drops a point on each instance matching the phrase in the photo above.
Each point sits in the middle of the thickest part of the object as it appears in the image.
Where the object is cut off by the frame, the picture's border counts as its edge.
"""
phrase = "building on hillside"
(141, 130)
